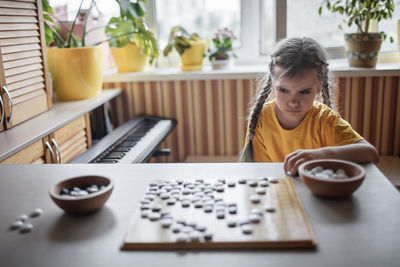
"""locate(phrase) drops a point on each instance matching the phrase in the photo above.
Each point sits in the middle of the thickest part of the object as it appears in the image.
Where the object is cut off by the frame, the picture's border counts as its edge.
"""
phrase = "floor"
(389, 165)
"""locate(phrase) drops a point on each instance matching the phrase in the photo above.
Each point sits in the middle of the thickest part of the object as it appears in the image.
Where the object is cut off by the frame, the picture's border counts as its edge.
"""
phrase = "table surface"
(362, 230)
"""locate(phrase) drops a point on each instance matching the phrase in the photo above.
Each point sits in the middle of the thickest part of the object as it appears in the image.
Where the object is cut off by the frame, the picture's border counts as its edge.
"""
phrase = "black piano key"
(106, 161)
(115, 154)
(128, 143)
(112, 157)
(121, 149)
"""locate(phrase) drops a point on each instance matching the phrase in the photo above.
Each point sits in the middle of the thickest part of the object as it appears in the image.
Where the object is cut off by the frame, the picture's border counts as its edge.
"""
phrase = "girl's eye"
(305, 92)
(283, 90)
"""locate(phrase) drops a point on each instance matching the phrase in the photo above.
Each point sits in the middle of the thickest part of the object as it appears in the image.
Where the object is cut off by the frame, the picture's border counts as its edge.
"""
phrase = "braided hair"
(292, 55)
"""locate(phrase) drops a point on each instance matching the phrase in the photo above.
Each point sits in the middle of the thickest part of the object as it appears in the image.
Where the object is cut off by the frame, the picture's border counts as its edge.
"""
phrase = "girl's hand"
(294, 159)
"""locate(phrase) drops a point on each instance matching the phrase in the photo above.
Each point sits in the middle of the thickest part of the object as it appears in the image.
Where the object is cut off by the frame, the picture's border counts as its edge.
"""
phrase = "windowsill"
(338, 67)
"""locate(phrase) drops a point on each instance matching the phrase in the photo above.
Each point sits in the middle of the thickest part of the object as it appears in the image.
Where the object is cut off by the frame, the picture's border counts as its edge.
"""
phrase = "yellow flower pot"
(192, 58)
(76, 72)
(128, 58)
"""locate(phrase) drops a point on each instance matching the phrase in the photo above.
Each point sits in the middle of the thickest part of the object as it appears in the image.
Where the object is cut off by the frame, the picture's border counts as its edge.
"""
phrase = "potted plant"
(76, 69)
(362, 47)
(190, 47)
(221, 53)
(130, 40)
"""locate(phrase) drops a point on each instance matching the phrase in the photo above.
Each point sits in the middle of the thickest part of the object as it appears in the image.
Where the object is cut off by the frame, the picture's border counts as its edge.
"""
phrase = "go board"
(211, 214)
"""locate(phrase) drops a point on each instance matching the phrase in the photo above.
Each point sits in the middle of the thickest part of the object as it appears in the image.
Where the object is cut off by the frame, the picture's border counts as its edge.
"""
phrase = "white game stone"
(247, 229)
(273, 180)
(254, 218)
(15, 225)
(269, 208)
(26, 228)
(22, 217)
(182, 237)
(261, 191)
(154, 216)
(255, 199)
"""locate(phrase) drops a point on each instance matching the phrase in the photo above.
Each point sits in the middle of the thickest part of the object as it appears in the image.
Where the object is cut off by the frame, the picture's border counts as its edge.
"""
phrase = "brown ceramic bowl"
(82, 204)
(333, 188)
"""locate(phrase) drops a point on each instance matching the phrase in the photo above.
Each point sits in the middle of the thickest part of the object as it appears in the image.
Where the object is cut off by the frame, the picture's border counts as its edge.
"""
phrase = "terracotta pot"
(362, 49)
(128, 58)
(76, 72)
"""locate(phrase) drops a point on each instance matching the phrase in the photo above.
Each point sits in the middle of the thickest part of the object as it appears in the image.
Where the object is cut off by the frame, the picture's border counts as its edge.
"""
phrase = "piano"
(133, 142)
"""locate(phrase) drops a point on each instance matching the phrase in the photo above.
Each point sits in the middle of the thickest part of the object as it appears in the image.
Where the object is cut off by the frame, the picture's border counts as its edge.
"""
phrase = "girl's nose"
(293, 101)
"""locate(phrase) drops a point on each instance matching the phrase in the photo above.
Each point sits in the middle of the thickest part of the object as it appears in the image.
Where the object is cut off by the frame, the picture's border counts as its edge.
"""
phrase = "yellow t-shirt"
(321, 127)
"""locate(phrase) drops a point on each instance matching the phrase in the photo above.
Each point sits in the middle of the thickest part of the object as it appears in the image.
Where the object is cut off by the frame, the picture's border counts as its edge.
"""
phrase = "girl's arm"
(360, 152)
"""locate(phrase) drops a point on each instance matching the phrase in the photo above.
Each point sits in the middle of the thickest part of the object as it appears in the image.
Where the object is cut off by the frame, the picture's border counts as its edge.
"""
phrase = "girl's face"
(294, 96)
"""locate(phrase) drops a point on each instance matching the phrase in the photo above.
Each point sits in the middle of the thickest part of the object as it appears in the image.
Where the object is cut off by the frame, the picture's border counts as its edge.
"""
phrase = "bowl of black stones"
(331, 177)
(83, 194)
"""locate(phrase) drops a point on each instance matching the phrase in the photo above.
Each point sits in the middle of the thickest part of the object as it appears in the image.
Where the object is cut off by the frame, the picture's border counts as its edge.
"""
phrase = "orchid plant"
(222, 45)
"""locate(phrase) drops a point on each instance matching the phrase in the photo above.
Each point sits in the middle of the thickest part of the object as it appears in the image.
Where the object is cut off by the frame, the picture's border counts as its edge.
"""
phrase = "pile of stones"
(21, 222)
(207, 196)
(81, 191)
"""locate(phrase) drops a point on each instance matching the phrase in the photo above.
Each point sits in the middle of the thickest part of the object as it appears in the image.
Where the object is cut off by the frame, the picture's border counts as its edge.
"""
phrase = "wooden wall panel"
(372, 106)
(212, 114)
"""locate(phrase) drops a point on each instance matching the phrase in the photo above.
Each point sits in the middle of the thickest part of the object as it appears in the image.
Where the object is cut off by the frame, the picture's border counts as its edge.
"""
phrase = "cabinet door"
(23, 66)
(71, 140)
(34, 153)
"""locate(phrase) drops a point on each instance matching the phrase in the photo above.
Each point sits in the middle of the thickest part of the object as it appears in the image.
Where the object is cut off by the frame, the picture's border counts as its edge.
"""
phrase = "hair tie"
(251, 136)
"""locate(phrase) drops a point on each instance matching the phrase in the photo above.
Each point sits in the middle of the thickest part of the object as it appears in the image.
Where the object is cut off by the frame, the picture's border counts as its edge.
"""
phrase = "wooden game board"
(287, 227)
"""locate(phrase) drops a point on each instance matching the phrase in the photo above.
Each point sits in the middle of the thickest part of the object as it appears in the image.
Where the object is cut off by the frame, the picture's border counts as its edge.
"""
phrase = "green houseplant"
(130, 40)
(190, 47)
(221, 52)
(76, 69)
(362, 47)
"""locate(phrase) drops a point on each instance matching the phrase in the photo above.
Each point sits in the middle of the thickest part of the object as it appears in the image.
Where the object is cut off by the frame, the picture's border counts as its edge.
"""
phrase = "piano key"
(143, 133)
(121, 149)
(139, 151)
(115, 154)
(107, 161)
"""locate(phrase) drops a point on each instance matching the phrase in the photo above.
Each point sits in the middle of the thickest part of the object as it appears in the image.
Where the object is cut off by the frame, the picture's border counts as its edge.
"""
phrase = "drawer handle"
(53, 141)
(53, 158)
(11, 103)
(2, 111)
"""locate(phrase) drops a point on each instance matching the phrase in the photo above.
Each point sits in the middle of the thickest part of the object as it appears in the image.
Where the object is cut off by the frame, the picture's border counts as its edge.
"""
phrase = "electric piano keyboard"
(132, 142)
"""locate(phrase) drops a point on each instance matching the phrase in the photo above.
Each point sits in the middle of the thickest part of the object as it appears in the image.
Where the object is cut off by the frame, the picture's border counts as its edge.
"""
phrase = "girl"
(294, 128)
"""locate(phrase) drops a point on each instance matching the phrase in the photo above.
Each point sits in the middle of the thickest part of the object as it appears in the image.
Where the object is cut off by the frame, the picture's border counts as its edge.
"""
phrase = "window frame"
(251, 14)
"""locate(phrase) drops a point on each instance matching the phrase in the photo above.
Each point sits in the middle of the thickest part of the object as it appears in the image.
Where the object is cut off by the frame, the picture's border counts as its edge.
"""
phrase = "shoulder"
(267, 109)
(324, 113)
(266, 115)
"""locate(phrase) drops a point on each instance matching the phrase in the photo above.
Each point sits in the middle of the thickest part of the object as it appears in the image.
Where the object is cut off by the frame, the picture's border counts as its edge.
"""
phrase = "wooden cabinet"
(35, 153)
(71, 140)
(61, 146)
(24, 83)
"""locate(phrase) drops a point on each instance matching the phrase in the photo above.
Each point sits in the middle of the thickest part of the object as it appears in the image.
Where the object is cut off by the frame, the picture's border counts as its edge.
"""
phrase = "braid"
(258, 106)
(247, 153)
(325, 86)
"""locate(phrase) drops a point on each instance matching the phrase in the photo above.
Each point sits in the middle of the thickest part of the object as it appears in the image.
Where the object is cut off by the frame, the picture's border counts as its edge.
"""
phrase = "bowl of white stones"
(82, 194)
(331, 177)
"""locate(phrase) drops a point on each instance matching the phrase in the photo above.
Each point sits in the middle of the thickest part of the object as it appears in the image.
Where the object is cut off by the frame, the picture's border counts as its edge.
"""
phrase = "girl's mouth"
(293, 110)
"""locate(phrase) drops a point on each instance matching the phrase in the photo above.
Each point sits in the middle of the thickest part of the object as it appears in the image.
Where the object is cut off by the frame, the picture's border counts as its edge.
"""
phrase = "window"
(203, 17)
(256, 23)
(303, 20)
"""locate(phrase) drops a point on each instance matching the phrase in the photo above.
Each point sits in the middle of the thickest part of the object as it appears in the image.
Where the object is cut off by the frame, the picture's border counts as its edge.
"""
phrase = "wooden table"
(362, 230)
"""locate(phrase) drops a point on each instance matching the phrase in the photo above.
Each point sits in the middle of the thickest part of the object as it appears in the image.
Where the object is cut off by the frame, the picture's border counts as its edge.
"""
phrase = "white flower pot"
(221, 64)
